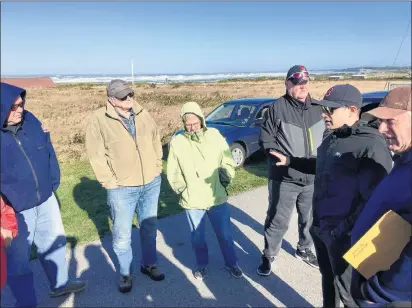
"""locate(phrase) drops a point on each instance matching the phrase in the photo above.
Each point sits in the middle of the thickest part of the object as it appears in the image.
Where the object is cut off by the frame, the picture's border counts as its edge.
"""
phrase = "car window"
(222, 112)
(261, 112)
(232, 114)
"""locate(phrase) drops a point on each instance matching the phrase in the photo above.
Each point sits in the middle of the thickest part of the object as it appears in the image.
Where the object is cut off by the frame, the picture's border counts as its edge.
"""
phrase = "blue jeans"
(43, 226)
(220, 219)
(124, 201)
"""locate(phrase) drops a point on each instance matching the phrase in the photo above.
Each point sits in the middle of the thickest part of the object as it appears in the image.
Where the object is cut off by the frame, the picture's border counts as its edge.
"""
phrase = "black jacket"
(292, 128)
(351, 162)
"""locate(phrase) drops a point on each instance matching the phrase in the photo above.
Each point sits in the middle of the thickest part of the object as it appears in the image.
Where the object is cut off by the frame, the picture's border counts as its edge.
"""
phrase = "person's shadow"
(229, 291)
(91, 197)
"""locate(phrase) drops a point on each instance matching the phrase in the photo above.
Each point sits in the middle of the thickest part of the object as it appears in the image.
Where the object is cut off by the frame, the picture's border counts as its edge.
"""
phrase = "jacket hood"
(9, 94)
(193, 107)
(359, 128)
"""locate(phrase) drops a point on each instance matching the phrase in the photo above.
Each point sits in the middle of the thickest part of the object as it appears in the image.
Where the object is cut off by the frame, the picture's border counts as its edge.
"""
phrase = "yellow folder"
(381, 246)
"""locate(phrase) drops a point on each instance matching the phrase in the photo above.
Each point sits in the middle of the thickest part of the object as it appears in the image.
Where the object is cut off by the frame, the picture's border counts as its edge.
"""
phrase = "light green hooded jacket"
(200, 165)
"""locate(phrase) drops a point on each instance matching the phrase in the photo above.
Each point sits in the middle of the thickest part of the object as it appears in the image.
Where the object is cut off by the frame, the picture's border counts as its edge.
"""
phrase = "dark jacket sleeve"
(302, 164)
(373, 167)
(54, 165)
(268, 132)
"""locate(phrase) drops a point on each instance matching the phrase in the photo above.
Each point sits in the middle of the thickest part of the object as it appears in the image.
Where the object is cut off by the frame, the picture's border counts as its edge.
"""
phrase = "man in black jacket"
(293, 126)
(351, 161)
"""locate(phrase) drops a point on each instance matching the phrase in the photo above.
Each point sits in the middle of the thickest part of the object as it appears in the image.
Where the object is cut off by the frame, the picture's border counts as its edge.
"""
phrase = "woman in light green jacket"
(199, 168)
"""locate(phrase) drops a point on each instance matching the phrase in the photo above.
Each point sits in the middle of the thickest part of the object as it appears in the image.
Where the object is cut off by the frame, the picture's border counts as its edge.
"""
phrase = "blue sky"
(200, 37)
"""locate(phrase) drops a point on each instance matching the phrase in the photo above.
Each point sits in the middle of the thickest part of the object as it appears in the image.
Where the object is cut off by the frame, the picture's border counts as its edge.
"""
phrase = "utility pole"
(132, 72)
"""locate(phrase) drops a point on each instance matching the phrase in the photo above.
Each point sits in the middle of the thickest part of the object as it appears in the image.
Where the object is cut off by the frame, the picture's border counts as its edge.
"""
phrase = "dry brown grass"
(64, 110)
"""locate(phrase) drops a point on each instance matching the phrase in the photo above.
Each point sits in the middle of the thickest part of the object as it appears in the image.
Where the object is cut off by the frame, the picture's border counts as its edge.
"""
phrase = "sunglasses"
(328, 110)
(299, 75)
(17, 106)
(131, 95)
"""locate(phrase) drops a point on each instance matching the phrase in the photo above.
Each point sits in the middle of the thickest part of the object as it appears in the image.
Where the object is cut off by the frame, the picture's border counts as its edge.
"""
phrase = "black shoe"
(153, 272)
(235, 271)
(125, 284)
(308, 257)
(265, 268)
(73, 286)
(200, 273)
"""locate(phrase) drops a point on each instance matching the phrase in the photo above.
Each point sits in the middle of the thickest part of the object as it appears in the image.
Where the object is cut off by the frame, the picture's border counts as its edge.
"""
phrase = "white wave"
(103, 79)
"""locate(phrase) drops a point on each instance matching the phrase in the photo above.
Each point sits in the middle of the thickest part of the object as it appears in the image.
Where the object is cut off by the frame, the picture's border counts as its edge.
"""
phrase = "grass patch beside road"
(85, 212)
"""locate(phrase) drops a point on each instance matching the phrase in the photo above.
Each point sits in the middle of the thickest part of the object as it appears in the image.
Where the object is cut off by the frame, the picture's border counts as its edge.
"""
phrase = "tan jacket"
(116, 158)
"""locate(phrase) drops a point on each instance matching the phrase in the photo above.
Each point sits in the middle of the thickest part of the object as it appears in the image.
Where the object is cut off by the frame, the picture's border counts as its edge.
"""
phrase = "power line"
(406, 32)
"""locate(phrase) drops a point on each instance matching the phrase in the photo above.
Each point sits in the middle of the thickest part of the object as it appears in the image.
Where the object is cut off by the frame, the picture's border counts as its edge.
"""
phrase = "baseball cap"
(301, 73)
(341, 96)
(118, 88)
(396, 102)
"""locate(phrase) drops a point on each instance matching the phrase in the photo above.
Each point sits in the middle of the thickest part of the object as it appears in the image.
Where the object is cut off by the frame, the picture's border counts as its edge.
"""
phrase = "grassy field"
(83, 201)
(65, 110)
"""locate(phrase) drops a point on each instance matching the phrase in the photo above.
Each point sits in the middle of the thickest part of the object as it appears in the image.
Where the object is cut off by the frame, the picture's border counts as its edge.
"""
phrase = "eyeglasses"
(299, 75)
(197, 124)
(17, 106)
(131, 95)
(328, 110)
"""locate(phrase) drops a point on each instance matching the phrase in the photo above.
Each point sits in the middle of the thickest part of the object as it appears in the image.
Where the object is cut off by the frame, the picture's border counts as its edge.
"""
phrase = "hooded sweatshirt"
(29, 167)
(200, 165)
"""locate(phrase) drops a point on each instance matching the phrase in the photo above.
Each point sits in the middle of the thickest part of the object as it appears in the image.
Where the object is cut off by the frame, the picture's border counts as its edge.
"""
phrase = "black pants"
(283, 197)
(336, 272)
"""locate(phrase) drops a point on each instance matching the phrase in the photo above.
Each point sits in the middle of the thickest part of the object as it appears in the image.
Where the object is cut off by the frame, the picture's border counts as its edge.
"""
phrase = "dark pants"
(283, 197)
(336, 272)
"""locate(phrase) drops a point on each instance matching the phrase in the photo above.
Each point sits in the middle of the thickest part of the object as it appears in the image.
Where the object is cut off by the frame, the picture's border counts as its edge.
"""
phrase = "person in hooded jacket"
(30, 176)
(199, 168)
(351, 161)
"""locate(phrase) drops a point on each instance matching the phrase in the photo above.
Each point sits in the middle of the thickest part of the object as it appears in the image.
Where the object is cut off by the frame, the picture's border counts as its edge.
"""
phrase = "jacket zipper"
(137, 148)
(31, 166)
(306, 139)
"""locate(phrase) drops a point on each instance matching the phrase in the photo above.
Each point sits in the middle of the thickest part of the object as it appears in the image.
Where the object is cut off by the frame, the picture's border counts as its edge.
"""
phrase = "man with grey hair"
(293, 127)
(394, 285)
(124, 149)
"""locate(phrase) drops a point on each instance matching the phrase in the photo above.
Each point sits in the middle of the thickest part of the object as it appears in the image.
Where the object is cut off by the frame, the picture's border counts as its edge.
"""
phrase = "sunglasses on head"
(131, 95)
(299, 75)
(328, 110)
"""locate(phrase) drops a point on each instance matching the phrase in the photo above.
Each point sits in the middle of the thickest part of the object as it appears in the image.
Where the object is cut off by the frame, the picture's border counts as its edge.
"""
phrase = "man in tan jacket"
(124, 149)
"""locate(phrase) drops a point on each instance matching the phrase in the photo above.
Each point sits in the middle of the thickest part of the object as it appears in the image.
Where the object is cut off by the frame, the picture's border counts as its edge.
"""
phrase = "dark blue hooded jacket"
(29, 168)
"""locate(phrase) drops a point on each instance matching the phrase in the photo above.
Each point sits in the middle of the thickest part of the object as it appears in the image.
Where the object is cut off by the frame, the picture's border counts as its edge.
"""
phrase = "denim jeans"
(124, 201)
(43, 226)
(219, 217)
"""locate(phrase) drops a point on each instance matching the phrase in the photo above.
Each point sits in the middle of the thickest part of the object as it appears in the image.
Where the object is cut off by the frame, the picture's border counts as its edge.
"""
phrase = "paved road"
(293, 283)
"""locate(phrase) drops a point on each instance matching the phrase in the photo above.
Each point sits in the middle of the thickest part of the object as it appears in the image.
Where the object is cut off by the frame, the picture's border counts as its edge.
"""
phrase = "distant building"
(35, 82)
(360, 76)
(336, 77)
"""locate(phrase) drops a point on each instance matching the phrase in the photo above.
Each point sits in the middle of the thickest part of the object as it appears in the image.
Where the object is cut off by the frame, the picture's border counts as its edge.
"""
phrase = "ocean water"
(164, 78)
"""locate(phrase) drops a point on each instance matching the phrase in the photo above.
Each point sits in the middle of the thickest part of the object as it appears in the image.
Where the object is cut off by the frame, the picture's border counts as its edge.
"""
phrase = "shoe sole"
(308, 263)
(147, 273)
(234, 275)
(263, 274)
(68, 292)
(125, 290)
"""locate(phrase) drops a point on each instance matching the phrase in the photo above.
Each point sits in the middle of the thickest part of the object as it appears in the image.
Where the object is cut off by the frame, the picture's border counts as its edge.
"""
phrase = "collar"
(405, 157)
(132, 114)
(346, 130)
(298, 103)
(111, 111)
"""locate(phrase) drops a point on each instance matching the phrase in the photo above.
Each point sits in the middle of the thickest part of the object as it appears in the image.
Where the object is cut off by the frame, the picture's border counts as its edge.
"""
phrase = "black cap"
(342, 95)
(296, 69)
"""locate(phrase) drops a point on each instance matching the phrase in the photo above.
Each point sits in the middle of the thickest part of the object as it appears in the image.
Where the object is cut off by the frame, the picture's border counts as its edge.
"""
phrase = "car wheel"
(238, 154)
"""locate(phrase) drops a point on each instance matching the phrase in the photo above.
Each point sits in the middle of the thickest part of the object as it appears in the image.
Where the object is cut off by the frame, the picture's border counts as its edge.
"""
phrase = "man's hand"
(283, 160)
(7, 236)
